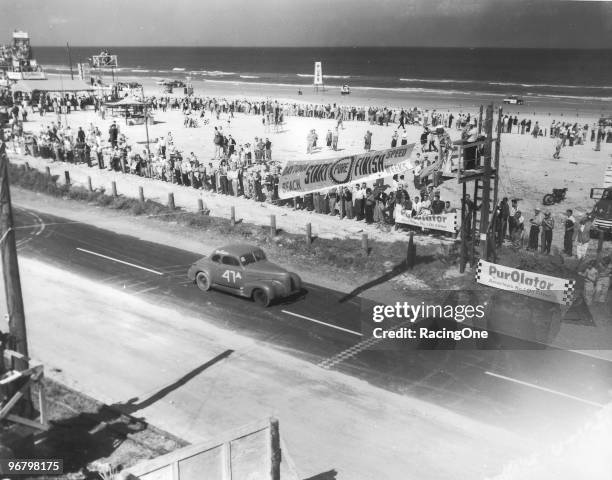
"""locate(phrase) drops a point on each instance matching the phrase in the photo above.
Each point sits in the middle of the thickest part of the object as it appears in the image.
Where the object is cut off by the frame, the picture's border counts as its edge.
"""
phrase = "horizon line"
(330, 47)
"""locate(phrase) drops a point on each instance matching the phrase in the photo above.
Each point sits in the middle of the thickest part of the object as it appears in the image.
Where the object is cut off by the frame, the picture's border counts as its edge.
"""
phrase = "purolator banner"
(301, 177)
(445, 222)
(536, 285)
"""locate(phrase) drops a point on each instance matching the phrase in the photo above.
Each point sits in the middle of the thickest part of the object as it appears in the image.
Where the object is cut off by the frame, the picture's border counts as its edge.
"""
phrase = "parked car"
(514, 100)
(244, 270)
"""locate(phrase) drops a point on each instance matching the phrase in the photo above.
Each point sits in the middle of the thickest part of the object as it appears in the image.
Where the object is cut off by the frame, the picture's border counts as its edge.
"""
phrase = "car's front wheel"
(261, 297)
(203, 281)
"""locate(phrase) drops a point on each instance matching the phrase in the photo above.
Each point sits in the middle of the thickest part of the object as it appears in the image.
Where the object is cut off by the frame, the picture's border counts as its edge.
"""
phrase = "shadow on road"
(81, 430)
(131, 406)
(399, 269)
(329, 475)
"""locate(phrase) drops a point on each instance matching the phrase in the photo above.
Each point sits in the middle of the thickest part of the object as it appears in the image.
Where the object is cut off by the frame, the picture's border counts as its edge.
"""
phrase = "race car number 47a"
(231, 276)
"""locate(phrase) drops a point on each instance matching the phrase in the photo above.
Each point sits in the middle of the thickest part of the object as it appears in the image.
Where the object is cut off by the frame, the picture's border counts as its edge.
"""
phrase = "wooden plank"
(27, 422)
(11, 403)
(275, 450)
(42, 404)
(191, 450)
(478, 143)
(478, 174)
(226, 456)
(176, 474)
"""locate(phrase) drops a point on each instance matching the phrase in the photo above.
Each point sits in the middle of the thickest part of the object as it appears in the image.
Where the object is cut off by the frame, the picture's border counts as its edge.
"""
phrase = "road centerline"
(544, 389)
(119, 261)
(322, 323)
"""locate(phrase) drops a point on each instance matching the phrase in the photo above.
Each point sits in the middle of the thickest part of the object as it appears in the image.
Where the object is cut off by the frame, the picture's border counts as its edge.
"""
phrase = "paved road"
(522, 389)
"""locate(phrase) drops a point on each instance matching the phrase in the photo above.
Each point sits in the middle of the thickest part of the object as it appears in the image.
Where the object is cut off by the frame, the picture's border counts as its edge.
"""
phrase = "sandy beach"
(527, 167)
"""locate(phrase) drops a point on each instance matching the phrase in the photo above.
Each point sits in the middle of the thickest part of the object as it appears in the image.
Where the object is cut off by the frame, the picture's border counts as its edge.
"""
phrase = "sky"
(295, 23)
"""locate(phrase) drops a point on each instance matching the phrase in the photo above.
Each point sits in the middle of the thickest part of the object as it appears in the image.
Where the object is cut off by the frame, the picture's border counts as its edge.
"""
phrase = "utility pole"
(486, 186)
(10, 268)
(496, 160)
(146, 119)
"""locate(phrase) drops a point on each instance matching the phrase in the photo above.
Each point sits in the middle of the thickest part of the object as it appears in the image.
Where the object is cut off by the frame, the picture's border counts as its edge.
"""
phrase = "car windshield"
(252, 257)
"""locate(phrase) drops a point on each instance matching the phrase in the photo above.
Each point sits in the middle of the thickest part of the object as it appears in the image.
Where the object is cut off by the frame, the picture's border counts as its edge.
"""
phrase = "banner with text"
(301, 177)
(536, 285)
(445, 222)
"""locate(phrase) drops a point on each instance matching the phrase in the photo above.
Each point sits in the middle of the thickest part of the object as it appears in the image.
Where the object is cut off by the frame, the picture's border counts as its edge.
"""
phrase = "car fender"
(197, 267)
(273, 290)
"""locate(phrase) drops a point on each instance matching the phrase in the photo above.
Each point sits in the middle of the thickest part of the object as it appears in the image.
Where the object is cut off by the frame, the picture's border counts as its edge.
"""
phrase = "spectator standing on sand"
(113, 134)
(268, 149)
(347, 203)
(394, 138)
(568, 237)
(335, 139)
(517, 230)
(548, 224)
(604, 269)
(328, 138)
(557, 153)
(534, 231)
(504, 216)
(590, 279)
(582, 238)
(511, 217)
(367, 139)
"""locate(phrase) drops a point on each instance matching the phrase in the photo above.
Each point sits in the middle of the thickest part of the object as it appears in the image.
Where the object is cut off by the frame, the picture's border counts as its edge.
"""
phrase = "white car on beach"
(514, 100)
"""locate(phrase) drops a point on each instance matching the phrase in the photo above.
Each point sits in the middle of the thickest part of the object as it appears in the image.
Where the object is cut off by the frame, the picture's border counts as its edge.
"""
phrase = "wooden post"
(89, 185)
(496, 159)
(233, 215)
(48, 171)
(364, 243)
(273, 225)
(10, 270)
(463, 257)
(308, 234)
(227, 461)
(275, 450)
(141, 194)
(114, 188)
(171, 201)
(201, 206)
(67, 175)
(411, 252)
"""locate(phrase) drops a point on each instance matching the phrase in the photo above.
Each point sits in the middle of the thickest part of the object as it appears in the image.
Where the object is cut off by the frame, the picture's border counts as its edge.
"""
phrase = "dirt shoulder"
(203, 242)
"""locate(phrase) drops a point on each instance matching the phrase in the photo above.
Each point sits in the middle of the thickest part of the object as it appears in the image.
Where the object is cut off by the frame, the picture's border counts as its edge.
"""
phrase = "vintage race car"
(514, 100)
(243, 270)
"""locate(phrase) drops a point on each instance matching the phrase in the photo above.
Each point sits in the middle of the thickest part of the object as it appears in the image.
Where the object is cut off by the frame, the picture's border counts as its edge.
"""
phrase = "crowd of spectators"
(248, 169)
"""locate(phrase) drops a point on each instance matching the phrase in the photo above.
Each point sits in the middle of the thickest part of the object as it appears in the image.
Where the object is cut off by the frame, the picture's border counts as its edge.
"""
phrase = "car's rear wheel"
(261, 297)
(203, 281)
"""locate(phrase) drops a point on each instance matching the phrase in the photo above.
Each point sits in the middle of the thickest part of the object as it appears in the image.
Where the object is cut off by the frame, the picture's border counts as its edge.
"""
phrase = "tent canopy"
(52, 85)
(126, 102)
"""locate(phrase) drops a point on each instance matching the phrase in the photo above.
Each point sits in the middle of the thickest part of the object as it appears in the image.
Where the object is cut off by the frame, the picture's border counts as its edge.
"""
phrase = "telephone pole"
(10, 268)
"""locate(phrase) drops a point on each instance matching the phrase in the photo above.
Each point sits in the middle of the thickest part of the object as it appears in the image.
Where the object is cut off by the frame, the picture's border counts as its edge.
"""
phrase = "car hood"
(265, 267)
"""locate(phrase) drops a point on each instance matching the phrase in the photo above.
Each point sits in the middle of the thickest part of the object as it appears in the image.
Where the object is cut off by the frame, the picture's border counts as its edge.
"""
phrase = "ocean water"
(528, 72)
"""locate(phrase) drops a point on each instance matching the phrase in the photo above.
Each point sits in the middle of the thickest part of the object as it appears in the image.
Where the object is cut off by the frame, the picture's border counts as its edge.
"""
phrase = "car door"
(231, 273)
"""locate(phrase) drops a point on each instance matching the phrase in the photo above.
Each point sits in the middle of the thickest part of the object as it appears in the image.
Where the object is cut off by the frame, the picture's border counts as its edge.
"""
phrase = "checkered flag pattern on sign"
(478, 270)
(568, 294)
